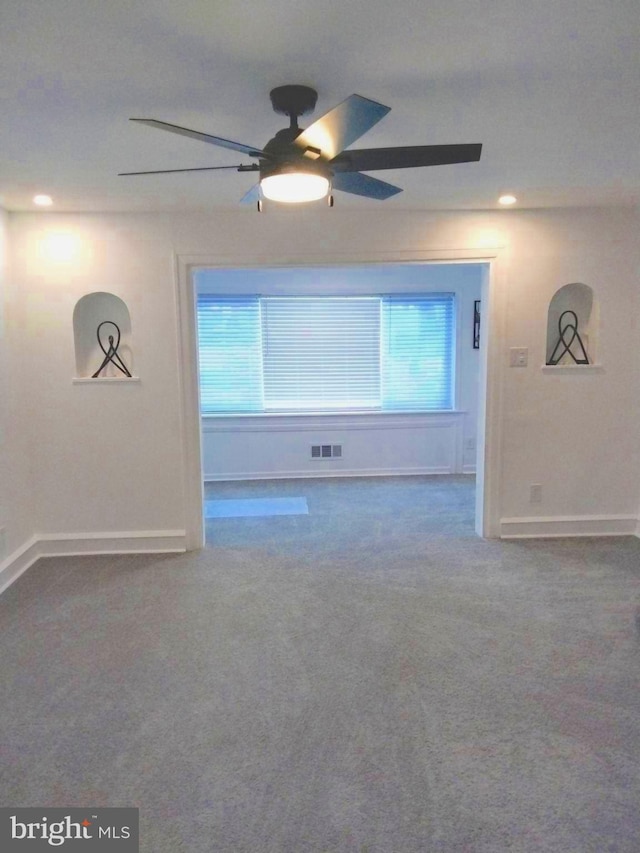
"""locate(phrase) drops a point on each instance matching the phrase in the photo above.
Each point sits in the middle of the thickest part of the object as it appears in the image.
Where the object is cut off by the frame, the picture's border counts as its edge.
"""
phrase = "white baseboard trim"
(121, 542)
(17, 563)
(332, 469)
(77, 544)
(563, 526)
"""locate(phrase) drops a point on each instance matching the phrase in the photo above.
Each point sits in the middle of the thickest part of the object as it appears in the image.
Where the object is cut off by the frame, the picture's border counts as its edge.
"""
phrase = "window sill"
(90, 380)
(342, 421)
(336, 414)
(572, 368)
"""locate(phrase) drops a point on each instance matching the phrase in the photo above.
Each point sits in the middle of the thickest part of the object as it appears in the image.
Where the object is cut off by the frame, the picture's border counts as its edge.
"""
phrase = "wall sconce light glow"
(43, 200)
(60, 247)
(507, 199)
(294, 187)
(488, 239)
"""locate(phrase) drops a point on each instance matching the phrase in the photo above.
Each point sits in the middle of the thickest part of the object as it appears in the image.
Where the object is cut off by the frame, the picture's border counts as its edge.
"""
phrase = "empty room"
(319, 447)
(337, 372)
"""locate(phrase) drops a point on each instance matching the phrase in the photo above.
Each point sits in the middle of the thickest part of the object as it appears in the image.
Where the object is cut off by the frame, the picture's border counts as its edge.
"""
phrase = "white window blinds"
(418, 336)
(314, 354)
(230, 354)
(321, 353)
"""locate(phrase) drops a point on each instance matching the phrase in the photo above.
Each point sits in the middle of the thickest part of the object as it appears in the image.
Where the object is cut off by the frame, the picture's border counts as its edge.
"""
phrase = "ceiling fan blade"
(341, 126)
(354, 182)
(371, 159)
(252, 168)
(203, 137)
(252, 196)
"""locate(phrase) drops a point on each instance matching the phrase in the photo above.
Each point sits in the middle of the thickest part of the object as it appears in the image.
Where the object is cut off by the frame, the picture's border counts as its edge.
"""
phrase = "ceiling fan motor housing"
(293, 100)
(284, 156)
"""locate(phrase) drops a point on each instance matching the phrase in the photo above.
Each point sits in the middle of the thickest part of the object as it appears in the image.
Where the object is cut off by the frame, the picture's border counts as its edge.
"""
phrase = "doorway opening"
(313, 374)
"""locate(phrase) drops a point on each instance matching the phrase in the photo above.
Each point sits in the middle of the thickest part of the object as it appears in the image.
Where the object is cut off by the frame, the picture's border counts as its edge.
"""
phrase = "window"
(319, 354)
(230, 350)
(417, 359)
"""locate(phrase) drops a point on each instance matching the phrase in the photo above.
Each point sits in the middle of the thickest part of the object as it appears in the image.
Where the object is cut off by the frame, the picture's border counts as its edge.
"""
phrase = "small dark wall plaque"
(476, 324)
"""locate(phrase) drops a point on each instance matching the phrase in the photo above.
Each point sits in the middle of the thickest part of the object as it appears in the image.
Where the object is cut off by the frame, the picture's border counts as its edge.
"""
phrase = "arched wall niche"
(91, 310)
(578, 298)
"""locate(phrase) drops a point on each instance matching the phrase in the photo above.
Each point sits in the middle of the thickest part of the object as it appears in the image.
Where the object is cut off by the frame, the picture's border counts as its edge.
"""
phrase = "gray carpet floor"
(368, 678)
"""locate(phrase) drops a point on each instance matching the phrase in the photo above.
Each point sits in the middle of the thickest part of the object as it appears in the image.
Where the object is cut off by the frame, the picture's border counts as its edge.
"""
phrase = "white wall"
(371, 445)
(106, 456)
(254, 446)
(573, 432)
(16, 495)
(108, 459)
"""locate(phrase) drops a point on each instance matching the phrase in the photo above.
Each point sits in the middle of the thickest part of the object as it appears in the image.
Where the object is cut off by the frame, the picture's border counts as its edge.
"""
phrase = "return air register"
(326, 451)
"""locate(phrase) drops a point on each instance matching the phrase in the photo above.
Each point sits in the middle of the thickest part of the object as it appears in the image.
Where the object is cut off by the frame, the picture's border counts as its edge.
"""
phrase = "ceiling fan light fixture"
(299, 165)
(294, 187)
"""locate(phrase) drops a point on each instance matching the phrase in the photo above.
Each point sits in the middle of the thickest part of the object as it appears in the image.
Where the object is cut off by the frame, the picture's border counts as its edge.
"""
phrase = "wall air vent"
(326, 451)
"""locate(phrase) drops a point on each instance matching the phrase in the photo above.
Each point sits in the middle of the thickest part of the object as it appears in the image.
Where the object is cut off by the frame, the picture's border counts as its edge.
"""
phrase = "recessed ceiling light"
(507, 199)
(43, 200)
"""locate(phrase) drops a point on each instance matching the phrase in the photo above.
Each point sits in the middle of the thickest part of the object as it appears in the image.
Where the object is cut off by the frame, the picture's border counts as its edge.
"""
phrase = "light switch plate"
(518, 356)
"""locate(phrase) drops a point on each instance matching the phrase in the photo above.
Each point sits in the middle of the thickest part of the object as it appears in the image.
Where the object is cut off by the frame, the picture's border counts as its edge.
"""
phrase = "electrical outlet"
(535, 493)
(518, 356)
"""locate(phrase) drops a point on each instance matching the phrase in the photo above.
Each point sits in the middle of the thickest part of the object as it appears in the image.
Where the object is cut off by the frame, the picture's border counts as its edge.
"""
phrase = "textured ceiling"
(550, 88)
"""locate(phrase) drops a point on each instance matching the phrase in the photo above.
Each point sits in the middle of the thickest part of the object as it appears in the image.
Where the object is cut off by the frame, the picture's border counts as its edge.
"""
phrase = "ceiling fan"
(300, 165)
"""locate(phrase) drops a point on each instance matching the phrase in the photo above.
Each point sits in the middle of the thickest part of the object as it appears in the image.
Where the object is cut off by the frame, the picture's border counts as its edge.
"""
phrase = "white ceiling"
(550, 87)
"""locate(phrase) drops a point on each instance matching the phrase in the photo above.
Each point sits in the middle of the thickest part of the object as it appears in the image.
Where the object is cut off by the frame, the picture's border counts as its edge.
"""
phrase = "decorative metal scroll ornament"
(568, 332)
(111, 354)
